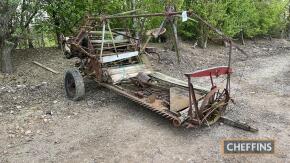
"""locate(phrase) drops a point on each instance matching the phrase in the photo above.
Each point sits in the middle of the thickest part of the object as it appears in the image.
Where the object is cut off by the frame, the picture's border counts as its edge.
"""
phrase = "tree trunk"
(283, 34)
(30, 44)
(30, 40)
(58, 39)
(288, 25)
(242, 38)
(203, 36)
(56, 29)
(25, 43)
(135, 19)
(42, 40)
(6, 60)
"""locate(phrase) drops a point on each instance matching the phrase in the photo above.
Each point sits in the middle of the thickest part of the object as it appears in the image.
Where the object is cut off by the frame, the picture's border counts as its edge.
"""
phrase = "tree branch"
(32, 15)
(30, 18)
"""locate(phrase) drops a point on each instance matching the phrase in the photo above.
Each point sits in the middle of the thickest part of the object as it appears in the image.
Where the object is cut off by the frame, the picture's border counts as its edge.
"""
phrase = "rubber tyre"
(74, 85)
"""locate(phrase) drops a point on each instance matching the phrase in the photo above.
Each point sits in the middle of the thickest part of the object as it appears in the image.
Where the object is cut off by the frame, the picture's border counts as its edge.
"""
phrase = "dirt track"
(37, 123)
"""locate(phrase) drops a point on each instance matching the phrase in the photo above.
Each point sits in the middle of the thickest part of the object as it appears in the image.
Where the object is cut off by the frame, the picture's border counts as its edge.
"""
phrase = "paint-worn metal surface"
(115, 59)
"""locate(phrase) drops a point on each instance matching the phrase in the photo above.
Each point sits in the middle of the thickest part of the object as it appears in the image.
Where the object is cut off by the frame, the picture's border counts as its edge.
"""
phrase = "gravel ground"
(38, 124)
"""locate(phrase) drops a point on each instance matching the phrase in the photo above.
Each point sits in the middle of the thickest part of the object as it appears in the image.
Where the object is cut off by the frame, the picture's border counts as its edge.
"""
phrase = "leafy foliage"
(251, 17)
(233, 17)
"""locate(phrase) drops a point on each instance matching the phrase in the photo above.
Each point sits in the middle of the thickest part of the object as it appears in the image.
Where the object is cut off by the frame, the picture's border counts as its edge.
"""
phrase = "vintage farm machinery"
(116, 60)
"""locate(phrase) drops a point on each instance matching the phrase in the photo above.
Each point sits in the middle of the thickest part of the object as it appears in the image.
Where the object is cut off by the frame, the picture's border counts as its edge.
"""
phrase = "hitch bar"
(237, 124)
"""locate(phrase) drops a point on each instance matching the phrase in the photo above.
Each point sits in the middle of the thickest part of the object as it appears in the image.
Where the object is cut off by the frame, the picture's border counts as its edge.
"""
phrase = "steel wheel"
(213, 106)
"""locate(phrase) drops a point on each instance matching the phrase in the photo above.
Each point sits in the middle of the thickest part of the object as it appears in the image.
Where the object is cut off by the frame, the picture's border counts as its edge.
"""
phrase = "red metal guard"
(216, 71)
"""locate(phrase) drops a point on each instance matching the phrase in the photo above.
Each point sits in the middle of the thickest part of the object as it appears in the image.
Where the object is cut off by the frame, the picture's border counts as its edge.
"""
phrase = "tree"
(271, 15)
(7, 7)
(236, 18)
(240, 19)
(16, 16)
(28, 10)
(212, 11)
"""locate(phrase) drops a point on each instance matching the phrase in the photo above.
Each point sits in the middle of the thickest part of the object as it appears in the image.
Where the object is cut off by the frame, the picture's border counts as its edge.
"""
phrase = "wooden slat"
(127, 69)
(109, 41)
(111, 45)
(117, 57)
(118, 46)
(170, 79)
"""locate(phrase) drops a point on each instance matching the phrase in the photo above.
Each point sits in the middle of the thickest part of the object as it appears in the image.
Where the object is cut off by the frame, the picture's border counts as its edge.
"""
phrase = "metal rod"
(127, 12)
(238, 124)
(146, 43)
(195, 103)
(160, 28)
(136, 16)
(190, 100)
(175, 40)
(211, 80)
(229, 66)
(112, 37)
(226, 38)
(103, 38)
(124, 35)
(83, 50)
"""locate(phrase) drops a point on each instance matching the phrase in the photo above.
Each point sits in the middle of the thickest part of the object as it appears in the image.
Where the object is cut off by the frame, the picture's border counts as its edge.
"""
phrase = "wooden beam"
(45, 67)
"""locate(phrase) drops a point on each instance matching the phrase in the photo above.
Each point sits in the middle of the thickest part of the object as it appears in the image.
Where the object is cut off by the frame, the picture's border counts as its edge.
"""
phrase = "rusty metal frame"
(193, 116)
(199, 112)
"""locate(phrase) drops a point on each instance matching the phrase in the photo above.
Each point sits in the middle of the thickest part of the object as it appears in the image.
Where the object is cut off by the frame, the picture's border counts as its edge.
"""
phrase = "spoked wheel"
(214, 105)
(74, 85)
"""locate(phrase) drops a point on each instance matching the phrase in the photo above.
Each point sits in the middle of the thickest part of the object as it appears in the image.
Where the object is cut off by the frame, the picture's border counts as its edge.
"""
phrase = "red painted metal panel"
(216, 71)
